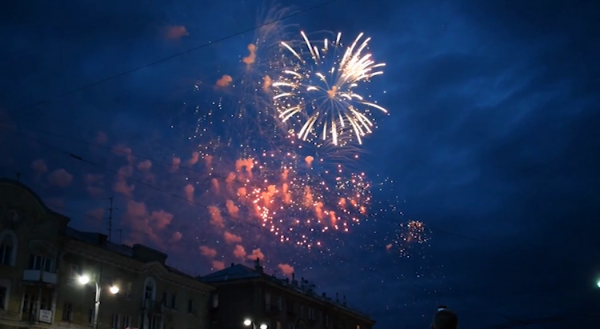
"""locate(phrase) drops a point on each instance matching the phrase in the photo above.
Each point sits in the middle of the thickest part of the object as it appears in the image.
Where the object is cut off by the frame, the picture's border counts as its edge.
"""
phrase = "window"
(6, 250)
(164, 299)
(173, 301)
(267, 301)
(311, 314)
(190, 306)
(215, 300)
(46, 302)
(149, 287)
(290, 326)
(278, 325)
(116, 318)
(27, 303)
(279, 304)
(301, 311)
(154, 322)
(128, 290)
(67, 314)
(326, 320)
(3, 293)
(40, 263)
(357, 326)
(126, 321)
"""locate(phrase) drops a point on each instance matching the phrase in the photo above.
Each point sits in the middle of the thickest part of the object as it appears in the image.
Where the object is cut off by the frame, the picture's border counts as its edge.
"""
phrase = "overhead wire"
(204, 206)
(176, 55)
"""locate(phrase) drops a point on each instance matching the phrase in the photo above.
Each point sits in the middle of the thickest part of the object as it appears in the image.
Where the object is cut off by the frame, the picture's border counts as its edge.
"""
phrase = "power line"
(116, 172)
(514, 322)
(164, 59)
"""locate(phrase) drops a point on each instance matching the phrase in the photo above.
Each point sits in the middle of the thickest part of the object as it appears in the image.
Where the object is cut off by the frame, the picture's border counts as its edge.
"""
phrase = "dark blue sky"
(492, 141)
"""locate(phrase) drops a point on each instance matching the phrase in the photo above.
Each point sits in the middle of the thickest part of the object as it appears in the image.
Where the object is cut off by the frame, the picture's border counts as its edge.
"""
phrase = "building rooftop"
(241, 272)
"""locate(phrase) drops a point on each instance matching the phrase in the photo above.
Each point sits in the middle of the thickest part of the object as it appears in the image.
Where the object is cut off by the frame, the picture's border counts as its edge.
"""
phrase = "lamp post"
(249, 322)
(84, 279)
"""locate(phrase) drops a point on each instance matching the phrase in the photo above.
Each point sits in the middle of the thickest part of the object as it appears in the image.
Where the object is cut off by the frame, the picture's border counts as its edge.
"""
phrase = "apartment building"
(247, 297)
(52, 275)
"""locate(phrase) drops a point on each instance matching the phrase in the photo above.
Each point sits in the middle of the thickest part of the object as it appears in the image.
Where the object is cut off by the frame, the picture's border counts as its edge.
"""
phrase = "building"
(50, 273)
(248, 296)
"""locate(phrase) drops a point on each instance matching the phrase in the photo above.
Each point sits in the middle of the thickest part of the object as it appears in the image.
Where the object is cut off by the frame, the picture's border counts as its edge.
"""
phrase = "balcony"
(153, 307)
(36, 276)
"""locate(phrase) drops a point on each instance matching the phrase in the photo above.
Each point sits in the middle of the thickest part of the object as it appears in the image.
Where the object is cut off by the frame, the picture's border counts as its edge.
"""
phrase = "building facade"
(248, 297)
(50, 275)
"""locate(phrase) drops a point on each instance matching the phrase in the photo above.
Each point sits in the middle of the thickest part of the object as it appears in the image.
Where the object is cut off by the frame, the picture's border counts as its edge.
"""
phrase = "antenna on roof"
(110, 217)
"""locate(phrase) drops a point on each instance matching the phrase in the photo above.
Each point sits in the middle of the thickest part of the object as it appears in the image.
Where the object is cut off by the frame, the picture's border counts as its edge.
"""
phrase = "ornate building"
(248, 297)
(52, 275)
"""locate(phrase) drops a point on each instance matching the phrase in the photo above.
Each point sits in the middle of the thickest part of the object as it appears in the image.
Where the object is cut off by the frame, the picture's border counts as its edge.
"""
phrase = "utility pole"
(120, 235)
(110, 218)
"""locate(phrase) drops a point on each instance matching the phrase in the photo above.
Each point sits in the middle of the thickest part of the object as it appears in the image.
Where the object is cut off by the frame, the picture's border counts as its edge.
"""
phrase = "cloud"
(256, 253)
(145, 165)
(97, 214)
(95, 218)
(232, 238)
(125, 151)
(218, 265)
(60, 178)
(101, 138)
(175, 165)
(208, 252)
(39, 166)
(215, 217)
(56, 202)
(189, 192)
(239, 252)
(286, 269)
(121, 185)
(95, 191)
(145, 224)
(176, 237)
(93, 178)
(194, 159)
(175, 32)
(224, 81)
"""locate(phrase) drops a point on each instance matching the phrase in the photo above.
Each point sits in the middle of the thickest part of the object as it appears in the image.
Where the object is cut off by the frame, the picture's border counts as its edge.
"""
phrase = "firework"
(319, 91)
(410, 234)
(286, 194)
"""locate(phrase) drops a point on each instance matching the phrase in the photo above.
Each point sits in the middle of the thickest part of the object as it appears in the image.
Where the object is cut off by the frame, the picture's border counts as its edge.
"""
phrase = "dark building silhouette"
(247, 297)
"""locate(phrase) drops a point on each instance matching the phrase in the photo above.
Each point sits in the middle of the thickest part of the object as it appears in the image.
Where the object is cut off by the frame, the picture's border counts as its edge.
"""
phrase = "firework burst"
(319, 91)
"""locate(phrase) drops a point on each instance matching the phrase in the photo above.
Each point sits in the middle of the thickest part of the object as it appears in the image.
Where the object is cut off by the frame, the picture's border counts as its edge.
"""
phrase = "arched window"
(8, 248)
(149, 289)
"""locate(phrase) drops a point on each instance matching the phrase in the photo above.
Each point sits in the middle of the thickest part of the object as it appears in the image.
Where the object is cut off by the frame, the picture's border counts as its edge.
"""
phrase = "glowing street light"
(85, 279)
(249, 322)
(598, 283)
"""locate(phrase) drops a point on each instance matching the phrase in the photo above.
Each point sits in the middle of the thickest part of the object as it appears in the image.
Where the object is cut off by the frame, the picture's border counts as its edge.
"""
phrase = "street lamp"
(598, 283)
(249, 322)
(84, 279)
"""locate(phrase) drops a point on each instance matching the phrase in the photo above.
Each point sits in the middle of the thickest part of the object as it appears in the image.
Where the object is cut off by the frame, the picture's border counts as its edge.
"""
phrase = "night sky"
(491, 143)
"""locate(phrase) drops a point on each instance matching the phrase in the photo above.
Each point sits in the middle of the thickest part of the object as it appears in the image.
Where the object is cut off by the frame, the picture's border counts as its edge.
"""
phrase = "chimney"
(232, 264)
(294, 282)
(337, 297)
(258, 268)
(344, 300)
(324, 295)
